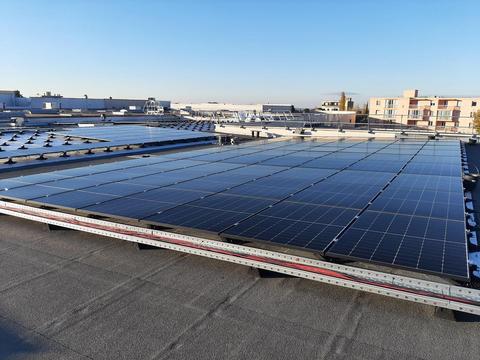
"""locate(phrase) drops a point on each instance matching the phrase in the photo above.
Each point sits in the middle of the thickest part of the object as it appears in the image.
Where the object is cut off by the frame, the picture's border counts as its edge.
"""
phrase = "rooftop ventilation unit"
(152, 107)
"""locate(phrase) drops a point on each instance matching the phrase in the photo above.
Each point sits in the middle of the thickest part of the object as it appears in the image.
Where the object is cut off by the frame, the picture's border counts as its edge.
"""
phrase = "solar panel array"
(193, 125)
(32, 142)
(378, 201)
(130, 134)
(16, 146)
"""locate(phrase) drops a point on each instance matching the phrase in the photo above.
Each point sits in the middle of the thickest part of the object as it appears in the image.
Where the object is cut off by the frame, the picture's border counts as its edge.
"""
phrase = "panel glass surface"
(429, 244)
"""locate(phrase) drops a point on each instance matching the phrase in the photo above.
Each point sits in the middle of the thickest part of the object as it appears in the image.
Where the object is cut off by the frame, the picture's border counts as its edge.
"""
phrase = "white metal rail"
(401, 287)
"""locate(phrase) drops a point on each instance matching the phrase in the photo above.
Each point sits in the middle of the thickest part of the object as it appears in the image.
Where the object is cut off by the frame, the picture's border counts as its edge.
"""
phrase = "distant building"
(432, 112)
(11, 100)
(334, 105)
(227, 107)
(7, 99)
(276, 108)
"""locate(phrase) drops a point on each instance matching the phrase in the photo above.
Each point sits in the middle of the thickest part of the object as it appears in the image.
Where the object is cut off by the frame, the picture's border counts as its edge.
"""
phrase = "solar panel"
(29, 192)
(428, 244)
(434, 169)
(118, 189)
(127, 207)
(328, 163)
(206, 219)
(204, 185)
(395, 203)
(438, 204)
(428, 182)
(72, 183)
(300, 234)
(316, 196)
(72, 199)
(381, 166)
(6, 184)
(268, 192)
(167, 194)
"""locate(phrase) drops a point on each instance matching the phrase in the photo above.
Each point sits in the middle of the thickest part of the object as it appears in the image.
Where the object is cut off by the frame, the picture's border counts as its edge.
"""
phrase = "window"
(414, 114)
(474, 103)
(389, 114)
(444, 114)
(390, 103)
(377, 103)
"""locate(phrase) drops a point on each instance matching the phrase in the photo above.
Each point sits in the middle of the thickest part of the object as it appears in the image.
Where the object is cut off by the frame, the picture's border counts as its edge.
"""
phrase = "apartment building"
(441, 113)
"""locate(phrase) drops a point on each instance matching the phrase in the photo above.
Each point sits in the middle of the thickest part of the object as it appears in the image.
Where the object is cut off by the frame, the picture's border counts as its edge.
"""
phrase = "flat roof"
(66, 294)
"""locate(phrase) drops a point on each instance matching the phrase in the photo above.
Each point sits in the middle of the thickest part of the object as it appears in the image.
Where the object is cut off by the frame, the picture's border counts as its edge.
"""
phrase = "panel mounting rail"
(400, 287)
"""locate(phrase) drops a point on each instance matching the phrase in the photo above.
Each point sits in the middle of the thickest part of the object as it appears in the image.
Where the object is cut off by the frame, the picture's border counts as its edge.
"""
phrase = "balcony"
(419, 107)
(448, 107)
(423, 123)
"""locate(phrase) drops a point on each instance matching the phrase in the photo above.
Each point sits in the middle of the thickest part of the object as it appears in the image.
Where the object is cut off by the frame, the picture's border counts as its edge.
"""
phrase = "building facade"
(453, 114)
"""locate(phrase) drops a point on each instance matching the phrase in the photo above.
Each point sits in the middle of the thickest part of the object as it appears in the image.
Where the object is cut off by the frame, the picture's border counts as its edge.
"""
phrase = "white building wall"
(217, 107)
(213, 107)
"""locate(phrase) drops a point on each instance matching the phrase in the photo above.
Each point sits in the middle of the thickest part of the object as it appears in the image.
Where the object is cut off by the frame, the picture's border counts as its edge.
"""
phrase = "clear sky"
(294, 51)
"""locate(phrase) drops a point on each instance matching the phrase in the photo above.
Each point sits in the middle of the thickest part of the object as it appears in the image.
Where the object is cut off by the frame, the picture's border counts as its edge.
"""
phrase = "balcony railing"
(441, 123)
(419, 107)
(373, 122)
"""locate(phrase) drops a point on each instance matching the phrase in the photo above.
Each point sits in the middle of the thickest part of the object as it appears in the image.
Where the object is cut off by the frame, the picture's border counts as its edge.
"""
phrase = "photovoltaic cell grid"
(376, 201)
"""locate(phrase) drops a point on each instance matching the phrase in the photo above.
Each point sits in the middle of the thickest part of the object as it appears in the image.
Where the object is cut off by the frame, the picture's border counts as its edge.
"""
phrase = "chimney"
(412, 93)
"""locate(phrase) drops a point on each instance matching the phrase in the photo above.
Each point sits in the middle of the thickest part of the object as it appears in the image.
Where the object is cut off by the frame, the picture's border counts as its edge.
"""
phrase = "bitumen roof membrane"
(71, 295)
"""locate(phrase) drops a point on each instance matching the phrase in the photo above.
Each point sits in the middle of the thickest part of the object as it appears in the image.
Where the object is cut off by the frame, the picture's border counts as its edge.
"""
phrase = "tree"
(476, 121)
(342, 103)
(366, 108)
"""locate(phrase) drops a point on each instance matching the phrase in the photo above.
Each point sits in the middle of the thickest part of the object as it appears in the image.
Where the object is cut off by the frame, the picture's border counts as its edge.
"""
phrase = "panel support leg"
(141, 246)
(51, 227)
(445, 314)
(267, 274)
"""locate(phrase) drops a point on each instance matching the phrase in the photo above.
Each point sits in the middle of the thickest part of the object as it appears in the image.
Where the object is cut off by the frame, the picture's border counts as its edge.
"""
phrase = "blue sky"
(245, 51)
